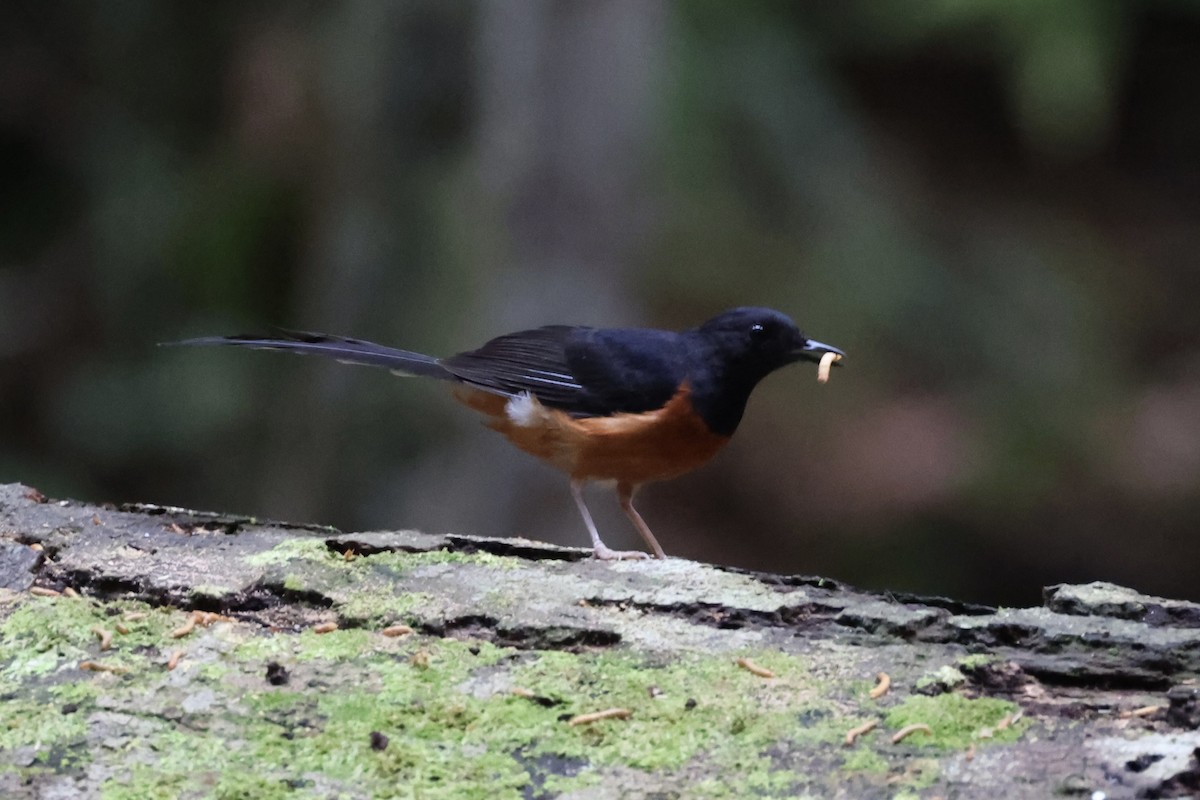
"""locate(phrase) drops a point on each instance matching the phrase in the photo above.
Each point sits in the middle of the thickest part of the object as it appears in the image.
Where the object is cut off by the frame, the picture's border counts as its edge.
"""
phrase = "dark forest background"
(992, 206)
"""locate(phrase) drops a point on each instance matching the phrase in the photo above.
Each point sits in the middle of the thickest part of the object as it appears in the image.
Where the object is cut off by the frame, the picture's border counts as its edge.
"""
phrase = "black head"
(758, 341)
(741, 347)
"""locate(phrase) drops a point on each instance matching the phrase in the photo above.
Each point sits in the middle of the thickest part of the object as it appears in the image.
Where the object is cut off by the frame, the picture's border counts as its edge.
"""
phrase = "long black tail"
(347, 351)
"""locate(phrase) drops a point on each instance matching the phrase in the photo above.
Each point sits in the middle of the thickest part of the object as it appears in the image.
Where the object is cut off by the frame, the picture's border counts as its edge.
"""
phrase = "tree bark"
(148, 651)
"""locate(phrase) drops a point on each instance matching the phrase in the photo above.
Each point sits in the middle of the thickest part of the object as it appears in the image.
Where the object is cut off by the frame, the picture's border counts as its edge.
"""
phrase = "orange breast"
(632, 448)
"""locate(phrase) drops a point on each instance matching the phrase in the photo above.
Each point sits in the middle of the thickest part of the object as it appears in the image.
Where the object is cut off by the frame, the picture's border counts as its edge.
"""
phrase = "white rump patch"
(524, 410)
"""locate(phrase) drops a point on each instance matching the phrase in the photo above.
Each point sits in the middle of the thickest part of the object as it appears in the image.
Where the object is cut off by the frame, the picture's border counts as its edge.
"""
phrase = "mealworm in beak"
(825, 365)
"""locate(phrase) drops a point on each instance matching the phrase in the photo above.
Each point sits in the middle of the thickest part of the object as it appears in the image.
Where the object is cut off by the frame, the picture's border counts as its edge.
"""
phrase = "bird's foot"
(605, 553)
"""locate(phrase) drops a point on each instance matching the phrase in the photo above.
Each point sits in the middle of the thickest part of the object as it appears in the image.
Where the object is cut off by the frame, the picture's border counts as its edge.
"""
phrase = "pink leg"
(600, 549)
(625, 496)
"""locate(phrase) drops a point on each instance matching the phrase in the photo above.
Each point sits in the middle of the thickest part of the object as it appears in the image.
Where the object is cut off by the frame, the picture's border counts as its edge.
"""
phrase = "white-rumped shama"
(629, 405)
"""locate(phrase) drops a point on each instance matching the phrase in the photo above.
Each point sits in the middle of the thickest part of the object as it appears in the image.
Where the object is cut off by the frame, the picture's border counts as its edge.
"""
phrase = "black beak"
(813, 350)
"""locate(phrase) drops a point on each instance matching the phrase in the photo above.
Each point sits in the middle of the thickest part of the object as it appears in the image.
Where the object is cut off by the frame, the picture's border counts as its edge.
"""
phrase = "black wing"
(527, 361)
(586, 372)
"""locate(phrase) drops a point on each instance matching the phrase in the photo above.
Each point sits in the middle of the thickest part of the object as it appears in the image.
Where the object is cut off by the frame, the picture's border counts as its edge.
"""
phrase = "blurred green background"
(991, 205)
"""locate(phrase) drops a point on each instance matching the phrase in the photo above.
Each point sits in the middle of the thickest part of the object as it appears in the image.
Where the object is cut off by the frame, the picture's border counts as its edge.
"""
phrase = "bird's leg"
(625, 496)
(601, 550)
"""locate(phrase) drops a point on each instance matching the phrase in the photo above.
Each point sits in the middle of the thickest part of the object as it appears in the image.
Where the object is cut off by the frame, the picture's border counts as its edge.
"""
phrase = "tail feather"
(349, 351)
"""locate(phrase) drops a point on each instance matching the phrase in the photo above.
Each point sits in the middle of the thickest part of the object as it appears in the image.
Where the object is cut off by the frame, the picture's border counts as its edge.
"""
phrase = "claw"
(605, 553)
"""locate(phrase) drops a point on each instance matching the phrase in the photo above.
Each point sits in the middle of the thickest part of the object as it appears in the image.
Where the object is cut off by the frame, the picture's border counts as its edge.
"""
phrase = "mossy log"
(158, 652)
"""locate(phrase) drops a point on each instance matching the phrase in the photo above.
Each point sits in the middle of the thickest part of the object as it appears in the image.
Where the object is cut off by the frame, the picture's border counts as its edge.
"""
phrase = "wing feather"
(531, 361)
(586, 372)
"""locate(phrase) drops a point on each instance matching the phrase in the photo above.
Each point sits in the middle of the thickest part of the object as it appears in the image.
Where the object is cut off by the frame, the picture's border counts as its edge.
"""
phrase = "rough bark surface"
(160, 652)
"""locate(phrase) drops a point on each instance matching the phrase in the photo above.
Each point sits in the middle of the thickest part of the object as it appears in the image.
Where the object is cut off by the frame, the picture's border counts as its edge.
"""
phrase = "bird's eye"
(757, 331)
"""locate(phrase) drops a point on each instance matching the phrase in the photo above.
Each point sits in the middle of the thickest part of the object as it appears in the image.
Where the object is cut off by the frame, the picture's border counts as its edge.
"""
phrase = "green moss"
(42, 635)
(339, 645)
(921, 773)
(316, 549)
(439, 738)
(34, 664)
(203, 592)
(554, 784)
(299, 548)
(48, 624)
(447, 741)
(144, 783)
(374, 608)
(251, 787)
(453, 726)
(78, 693)
(293, 583)
(761, 784)
(956, 720)
(32, 722)
(363, 588)
(404, 562)
(975, 661)
(864, 759)
(736, 714)
(945, 678)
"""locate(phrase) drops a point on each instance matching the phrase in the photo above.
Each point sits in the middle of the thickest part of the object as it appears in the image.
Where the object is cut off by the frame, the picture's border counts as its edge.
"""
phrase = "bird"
(623, 406)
